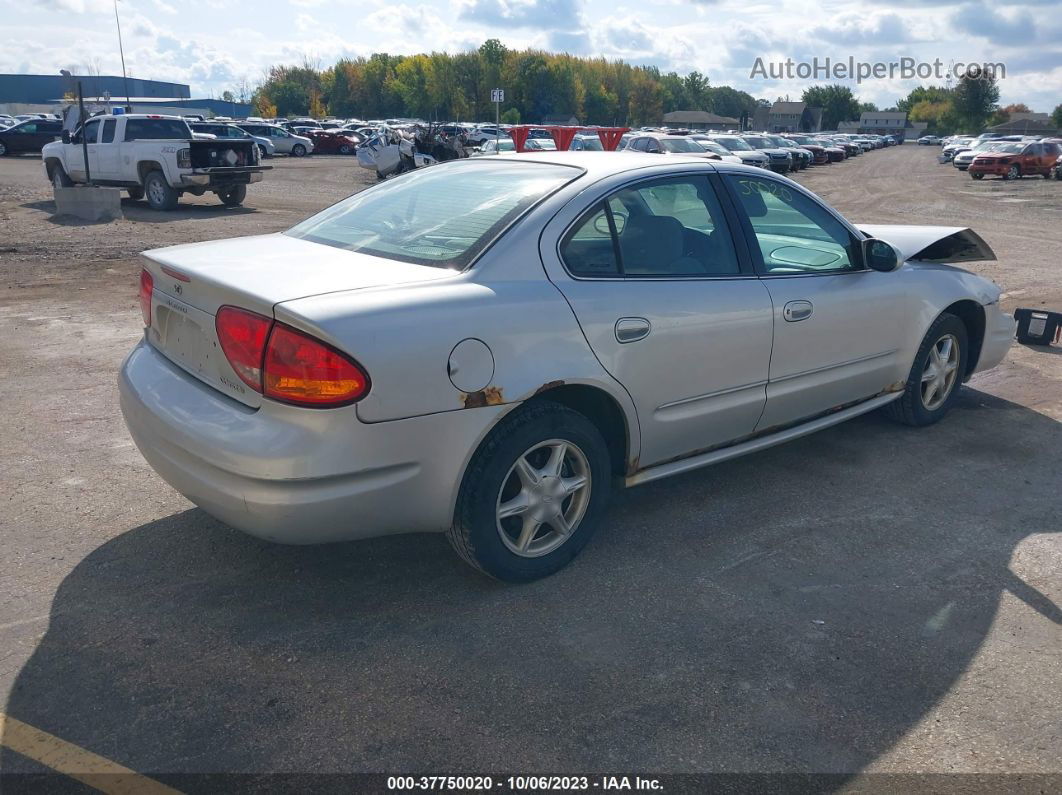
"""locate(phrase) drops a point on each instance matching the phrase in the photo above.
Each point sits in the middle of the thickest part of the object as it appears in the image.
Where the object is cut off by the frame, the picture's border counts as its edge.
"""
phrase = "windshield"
(735, 144)
(441, 216)
(590, 143)
(1012, 149)
(680, 145)
(758, 143)
(156, 129)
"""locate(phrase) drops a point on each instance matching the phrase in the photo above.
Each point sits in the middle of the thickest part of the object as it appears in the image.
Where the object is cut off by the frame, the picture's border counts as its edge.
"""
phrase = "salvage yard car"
(485, 347)
(1016, 160)
(284, 141)
(153, 156)
(28, 136)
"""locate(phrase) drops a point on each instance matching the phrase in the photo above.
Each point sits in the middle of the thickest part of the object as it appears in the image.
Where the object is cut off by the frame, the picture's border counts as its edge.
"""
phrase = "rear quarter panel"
(403, 337)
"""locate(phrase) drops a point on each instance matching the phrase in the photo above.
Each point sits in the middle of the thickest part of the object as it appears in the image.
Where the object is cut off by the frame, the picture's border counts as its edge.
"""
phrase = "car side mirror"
(66, 136)
(880, 256)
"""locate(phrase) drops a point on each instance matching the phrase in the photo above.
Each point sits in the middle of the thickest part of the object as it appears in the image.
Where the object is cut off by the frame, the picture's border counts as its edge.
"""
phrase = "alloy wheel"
(543, 498)
(941, 372)
(155, 192)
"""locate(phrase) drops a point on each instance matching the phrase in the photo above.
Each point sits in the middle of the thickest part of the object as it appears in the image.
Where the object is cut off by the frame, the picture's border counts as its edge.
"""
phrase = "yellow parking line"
(76, 762)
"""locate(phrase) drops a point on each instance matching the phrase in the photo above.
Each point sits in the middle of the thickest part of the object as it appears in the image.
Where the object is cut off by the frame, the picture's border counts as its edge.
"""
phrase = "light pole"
(121, 51)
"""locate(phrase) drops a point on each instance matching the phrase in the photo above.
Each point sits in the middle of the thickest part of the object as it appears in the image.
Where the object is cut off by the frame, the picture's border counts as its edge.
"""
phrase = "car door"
(1030, 159)
(22, 137)
(75, 152)
(838, 326)
(107, 163)
(670, 306)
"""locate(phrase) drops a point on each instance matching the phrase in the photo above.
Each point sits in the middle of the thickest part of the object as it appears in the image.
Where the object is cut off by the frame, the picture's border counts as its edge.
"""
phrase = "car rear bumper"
(291, 475)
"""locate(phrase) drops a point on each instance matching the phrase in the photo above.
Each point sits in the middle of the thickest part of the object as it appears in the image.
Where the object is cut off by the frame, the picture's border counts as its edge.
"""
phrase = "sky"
(215, 45)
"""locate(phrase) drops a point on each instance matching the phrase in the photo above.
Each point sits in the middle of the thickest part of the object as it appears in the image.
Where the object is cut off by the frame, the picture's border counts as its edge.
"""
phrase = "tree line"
(456, 87)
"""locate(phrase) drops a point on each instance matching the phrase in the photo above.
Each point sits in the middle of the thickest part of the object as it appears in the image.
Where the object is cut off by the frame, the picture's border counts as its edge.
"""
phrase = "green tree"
(698, 91)
(837, 102)
(923, 94)
(1056, 116)
(511, 116)
(975, 100)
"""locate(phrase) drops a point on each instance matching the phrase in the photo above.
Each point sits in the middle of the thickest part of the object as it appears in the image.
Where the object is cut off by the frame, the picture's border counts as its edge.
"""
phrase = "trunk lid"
(940, 244)
(191, 282)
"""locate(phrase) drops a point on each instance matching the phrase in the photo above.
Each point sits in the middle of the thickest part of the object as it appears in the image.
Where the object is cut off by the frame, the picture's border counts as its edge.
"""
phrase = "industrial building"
(47, 93)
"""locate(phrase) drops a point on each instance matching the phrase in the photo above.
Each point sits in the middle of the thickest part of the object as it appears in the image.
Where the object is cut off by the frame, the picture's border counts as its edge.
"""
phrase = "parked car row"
(1009, 157)
(779, 152)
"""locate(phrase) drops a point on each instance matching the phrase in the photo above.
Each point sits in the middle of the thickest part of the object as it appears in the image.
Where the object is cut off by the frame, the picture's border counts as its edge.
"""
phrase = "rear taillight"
(285, 364)
(243, 335)
(147, 286)
(302, 370)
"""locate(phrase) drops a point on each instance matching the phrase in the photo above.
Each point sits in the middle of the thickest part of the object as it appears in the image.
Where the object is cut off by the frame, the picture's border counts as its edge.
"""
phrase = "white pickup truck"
(155, 157)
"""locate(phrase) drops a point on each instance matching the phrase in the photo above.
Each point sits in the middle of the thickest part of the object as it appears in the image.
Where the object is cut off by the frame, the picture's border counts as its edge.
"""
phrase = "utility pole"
(84, 140)
(121, 51)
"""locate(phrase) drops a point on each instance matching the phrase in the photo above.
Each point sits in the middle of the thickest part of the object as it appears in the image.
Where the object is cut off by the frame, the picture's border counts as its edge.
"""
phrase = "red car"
(1015, 160)
(331, 142)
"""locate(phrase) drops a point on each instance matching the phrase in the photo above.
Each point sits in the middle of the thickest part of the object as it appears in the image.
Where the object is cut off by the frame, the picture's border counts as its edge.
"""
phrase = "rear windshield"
(680, 145)
(141, 129)
(441, 216)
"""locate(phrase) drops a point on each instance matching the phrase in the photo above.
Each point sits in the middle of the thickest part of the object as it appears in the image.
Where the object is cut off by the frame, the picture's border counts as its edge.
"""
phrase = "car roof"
(603, 164)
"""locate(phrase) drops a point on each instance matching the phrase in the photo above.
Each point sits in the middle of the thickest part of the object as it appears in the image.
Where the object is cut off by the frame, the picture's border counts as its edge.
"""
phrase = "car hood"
(995, 155)
(940, 244)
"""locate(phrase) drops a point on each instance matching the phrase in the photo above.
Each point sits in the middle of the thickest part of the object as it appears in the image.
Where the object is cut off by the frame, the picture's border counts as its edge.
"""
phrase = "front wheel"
(298, 150)
(233, 195)
(1012, 173)
(533, 494)
(977, 176)
(935, 376)
(3, 149)
(346, 149)
(60, 179)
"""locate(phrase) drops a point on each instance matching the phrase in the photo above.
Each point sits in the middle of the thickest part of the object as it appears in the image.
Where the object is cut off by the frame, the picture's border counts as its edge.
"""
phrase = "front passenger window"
(794, 233)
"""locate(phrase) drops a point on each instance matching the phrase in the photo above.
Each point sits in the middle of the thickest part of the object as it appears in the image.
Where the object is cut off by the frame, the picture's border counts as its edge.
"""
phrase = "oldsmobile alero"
(488, 347)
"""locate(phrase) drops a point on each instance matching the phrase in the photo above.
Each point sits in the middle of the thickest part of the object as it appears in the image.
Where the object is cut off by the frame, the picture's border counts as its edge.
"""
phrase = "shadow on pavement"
(796, 610)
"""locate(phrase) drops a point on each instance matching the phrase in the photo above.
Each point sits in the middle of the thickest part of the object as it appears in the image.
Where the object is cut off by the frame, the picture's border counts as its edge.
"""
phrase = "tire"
(262, 152)
(535, 434)
(159, 194)
(3, 149)
(913, 408)
(978, 176)
(298, 151)
(233, 195)
(60, 179)
(136, 194)
(346, 149)
(1012, 173)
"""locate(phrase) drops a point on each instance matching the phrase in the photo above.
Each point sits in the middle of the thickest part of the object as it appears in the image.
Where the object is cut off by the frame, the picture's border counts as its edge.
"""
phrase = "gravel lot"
(868, 599)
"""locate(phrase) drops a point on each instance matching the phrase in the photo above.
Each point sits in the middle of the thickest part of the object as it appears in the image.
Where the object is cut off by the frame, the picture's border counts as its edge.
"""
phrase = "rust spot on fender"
(548, 386)
(491, 396)
(899, 386)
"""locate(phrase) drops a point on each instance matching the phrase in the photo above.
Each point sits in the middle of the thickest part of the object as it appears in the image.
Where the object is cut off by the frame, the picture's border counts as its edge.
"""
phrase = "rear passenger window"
(665, 228)
(108, 132)
(588, 250)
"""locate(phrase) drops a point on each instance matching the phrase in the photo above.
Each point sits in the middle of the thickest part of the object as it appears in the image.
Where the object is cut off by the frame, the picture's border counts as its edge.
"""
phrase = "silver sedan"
(487, 347)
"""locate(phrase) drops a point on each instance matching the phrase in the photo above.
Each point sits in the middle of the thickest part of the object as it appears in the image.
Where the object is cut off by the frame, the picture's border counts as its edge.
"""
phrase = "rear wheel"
(978, 176)
(298, 150)
(233, 195)
(936, 374)
(159, 194)
(533, 494)
(3, 149)
(346, 149)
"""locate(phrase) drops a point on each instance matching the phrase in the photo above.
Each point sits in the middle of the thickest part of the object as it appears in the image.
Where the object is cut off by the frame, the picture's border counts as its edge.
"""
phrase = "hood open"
(940, 244)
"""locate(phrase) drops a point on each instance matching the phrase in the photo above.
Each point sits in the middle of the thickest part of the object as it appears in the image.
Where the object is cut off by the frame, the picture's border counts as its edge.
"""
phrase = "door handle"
(797, 310)
(632, 329)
